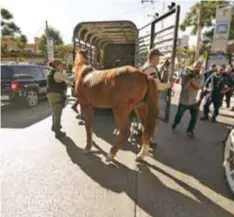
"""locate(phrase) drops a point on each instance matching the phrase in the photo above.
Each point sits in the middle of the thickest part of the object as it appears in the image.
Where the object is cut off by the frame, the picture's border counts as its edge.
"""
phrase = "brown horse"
(122, 89)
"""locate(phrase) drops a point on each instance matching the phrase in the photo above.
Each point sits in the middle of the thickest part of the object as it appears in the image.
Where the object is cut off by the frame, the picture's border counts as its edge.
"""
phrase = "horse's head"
(81, 56)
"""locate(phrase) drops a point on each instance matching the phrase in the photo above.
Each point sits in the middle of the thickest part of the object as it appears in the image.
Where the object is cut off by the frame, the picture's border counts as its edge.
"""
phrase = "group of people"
(214, 85)
(218, 83)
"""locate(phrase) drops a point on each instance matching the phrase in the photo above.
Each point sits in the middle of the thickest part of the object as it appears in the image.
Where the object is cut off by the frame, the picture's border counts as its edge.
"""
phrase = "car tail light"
(14, 86)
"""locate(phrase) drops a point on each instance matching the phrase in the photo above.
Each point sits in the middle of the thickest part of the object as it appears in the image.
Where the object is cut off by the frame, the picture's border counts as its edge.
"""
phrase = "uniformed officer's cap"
(55, 62)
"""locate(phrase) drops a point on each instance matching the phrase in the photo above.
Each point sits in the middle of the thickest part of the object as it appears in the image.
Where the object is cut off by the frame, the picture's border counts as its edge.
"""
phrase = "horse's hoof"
(139, 157)
(144, 152)
(109, 157)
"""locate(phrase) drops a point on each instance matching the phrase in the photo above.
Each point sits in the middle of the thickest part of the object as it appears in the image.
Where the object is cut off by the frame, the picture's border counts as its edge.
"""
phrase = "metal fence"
(162, 34)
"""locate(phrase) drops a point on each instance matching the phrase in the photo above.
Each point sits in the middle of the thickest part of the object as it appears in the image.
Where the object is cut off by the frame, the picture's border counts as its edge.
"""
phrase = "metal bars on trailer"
(166, 41)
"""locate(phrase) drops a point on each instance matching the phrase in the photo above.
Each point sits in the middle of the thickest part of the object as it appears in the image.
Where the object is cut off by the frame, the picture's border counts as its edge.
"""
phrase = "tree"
(208, 16)
(55, 34)
(8, 27)
(63, 51)
(22, 41)
(186, 55)
(208, 13)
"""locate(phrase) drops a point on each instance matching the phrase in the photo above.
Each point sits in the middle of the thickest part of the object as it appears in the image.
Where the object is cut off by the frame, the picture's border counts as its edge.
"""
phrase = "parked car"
(228, 158)
(23, 83)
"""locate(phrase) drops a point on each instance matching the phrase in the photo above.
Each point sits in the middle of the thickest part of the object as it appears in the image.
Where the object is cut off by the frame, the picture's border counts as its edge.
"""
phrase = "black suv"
(23, 83)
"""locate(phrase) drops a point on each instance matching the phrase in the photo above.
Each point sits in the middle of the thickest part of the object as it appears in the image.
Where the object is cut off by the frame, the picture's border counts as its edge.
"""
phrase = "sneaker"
(204, 118)
(190, 135)
(59, 135)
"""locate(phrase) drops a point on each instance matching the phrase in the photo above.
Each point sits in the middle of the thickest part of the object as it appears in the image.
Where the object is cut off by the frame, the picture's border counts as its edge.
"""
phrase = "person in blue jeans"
(206, 76)
(220, 83)
(191, 83)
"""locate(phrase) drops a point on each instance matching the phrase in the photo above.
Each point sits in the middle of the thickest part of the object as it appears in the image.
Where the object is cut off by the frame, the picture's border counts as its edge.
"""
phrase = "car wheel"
(228, 160)
(32, 98)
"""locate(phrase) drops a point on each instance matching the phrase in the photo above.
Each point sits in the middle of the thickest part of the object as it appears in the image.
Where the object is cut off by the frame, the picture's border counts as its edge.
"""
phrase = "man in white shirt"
(150, 68)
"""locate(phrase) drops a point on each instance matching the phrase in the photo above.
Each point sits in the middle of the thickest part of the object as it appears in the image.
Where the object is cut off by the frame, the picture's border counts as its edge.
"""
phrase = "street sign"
(184, 41)
(218, 59)
(50, 48)
(222, 28)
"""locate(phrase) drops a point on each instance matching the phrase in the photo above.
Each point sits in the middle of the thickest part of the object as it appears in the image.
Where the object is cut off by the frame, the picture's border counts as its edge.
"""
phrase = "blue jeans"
(193, 109)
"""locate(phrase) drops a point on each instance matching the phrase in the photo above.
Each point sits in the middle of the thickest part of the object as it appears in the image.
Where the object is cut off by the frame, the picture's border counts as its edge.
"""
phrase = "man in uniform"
(56, 94)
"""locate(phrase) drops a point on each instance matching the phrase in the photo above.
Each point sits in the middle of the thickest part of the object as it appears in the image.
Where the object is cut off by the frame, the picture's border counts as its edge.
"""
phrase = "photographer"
(191, 83)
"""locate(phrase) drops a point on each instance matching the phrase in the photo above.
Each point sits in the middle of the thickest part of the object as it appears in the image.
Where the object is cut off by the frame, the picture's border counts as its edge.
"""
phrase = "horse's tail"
(152, 105)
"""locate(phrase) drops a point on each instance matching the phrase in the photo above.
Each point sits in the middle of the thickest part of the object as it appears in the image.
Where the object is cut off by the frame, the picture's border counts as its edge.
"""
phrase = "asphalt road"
(41, 176)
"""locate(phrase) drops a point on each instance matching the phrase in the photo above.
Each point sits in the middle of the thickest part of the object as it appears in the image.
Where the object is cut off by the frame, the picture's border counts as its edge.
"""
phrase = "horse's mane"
(115, 72)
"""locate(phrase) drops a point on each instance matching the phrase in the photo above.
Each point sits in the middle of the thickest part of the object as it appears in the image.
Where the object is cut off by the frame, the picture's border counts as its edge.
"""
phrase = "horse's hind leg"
(88, 115)
(146, 134)
(122, 122)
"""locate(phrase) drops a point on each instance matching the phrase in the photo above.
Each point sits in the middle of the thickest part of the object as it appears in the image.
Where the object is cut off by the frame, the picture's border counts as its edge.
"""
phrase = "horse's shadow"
(104, 127)
(157, 201)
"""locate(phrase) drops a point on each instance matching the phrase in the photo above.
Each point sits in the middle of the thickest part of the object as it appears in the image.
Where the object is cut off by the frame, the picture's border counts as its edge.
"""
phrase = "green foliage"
(186, 55)
(63, 51)
(3, 49)
(51, 33)
(5, 14)
(22, 41)
(8, 27)
(208, 15)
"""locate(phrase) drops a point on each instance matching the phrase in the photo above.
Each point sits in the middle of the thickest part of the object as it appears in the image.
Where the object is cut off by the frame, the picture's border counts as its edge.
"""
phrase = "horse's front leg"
(122, 122)
(88, 115)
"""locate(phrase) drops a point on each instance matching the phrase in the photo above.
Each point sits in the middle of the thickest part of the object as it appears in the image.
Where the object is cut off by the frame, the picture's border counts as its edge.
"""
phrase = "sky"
(64, 15)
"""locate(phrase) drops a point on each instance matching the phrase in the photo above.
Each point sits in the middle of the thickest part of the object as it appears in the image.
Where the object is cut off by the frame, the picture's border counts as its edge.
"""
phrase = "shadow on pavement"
(200, 158)
(104, 126)
(157, 201)
(13, 117)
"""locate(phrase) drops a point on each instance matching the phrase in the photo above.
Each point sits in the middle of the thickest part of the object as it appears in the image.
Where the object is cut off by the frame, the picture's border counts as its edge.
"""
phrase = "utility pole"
(199, 30)
(47, 35)
(49, 43)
